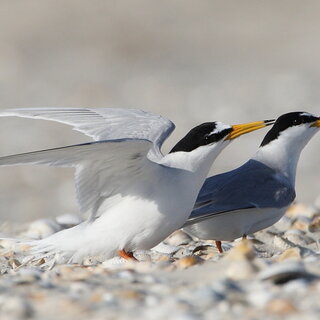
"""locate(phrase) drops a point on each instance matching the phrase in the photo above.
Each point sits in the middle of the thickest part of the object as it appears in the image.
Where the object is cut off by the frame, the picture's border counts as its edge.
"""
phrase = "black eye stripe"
(286, 121)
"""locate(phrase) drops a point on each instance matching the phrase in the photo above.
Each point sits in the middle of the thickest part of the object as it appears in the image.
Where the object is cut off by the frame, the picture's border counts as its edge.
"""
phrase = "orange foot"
(219, 246)
(126, 255)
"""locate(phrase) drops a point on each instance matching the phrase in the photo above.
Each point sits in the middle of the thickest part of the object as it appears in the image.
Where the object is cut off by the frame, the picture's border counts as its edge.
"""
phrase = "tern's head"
(293, 128)
(213, 133)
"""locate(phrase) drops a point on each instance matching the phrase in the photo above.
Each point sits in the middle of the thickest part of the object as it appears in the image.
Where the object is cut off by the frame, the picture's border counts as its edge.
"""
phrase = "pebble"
(68, 220)
(205, 251)
(258, 296)
(166, 248)
(283, 272)
(275, 274)
(299, 209)
(314, 225)
(178, 238)
(290, 254)
(187, 262)
(280, 244)
(27, 275)
(15, 307)
(281, 307)
(298, 237)
(283, 224)
(239, 261)
(42, 228)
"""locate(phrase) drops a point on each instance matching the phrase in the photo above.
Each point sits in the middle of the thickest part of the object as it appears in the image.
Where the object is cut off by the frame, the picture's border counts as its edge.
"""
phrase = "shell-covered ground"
(272, 275)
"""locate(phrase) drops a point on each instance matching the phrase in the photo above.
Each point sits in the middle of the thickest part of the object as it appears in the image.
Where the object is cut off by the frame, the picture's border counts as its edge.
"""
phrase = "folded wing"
(253, 185)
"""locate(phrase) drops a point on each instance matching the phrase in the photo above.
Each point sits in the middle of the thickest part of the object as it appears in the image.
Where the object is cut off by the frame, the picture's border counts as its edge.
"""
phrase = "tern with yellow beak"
(136, 196)
(257, 194)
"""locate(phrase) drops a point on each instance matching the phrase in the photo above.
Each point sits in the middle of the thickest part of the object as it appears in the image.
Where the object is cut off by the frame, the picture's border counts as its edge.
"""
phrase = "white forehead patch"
(219, 127)
(307, 114)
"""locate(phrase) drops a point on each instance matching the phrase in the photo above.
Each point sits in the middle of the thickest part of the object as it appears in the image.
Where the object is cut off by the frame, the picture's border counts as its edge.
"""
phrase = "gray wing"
(253, 185)
(105, 123)
(103, 168)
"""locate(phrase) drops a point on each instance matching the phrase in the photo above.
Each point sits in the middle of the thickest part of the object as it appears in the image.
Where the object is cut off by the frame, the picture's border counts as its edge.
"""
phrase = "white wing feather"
(103, 168)
(105, 123)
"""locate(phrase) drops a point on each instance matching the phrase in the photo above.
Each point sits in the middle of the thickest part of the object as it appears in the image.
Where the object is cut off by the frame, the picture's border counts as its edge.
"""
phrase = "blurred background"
(191, 61)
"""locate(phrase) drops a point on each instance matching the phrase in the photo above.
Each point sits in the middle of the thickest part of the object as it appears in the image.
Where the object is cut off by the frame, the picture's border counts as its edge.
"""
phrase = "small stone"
(290, 254)
(130, 294)
(239, 261)
(4, 265)
(280, 306)
(165, 248)
(205, 250)
(42, 228)
(299, 210)
(14, 263)
(187, 262)
(15, 308)
(314, 225)
(27, 275)
(74, 273)
(241, 269)
(298, 237)
(300, 225)
(142, 255)
(69, 220)
(183, 252)
(242, 251)
(283, 224)
(280, 244)
(283, 272)
(114, 263)
(178, 238)
(258, 296)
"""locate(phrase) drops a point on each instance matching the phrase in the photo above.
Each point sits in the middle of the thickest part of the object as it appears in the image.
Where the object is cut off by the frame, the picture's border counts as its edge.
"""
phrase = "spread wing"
(103, 168)
(253, 185)
(105, 123)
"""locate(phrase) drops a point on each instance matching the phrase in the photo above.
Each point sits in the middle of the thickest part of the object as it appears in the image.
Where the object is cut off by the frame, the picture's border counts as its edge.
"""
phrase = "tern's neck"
(198, 161)
(283, 154)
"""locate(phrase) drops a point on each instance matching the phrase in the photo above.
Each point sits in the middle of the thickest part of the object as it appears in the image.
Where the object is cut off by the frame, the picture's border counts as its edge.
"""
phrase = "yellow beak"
(316, 124)
(240, 129)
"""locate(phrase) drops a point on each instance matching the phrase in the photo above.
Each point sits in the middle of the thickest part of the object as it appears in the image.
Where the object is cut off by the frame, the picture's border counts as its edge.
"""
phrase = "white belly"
(232, 225)
(131, 224)
(138, 224)
(144, 218)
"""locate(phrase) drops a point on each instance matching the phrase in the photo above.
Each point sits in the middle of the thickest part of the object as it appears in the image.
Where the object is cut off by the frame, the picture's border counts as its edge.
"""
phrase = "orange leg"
(219, 246)
(126, 255)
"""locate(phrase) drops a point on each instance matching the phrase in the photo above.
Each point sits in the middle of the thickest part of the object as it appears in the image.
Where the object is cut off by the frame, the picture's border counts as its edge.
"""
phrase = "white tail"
(71, 245)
